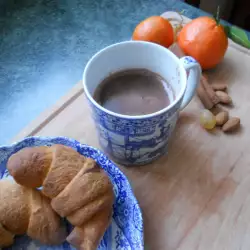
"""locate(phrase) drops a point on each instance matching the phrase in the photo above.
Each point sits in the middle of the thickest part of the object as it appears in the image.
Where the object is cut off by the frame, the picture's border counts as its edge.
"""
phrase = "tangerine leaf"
(238, 35)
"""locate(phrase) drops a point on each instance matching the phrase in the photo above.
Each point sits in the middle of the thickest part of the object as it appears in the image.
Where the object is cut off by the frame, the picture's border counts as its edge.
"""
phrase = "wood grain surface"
(197, 197)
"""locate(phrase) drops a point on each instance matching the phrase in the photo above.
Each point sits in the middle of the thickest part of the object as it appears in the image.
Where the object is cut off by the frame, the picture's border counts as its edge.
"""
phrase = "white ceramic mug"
(143, 138)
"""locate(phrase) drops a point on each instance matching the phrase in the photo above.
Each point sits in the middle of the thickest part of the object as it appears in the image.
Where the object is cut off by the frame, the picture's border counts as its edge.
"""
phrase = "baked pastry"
(27, 211)
(78, 188)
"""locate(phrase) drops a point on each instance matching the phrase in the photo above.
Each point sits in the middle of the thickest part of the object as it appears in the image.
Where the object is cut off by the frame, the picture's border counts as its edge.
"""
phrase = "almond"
(224, 97)
(221, 118)
(219, 86)
(231, 125)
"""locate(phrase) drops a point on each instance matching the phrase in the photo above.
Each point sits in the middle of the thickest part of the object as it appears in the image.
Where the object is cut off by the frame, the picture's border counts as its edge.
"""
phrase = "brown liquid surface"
(133, 92)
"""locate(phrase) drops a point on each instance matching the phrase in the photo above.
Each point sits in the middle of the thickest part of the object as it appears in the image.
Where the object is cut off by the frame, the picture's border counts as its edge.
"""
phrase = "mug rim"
(129, 117)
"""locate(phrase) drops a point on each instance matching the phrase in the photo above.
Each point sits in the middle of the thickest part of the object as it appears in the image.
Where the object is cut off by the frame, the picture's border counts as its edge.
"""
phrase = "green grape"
(207, 119)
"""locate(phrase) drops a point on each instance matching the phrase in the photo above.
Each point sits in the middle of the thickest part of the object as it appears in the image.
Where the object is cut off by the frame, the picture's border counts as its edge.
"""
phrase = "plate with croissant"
(56, 193)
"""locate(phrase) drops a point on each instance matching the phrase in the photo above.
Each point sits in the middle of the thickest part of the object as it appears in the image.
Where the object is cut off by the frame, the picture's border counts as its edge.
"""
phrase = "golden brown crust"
(14, 208)
(24, 210)
(44, 224)
(64, 167)
(84, 188)
(80, 190)
(82, 215)
(29, 166)
(6, 237)
(88, 236)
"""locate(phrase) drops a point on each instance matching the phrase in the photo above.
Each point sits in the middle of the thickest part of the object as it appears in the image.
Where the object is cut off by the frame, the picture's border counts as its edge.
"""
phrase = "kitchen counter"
(45, 45)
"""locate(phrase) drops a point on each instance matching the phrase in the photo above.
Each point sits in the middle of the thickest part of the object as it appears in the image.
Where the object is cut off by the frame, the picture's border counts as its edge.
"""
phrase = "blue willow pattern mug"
(143, 138)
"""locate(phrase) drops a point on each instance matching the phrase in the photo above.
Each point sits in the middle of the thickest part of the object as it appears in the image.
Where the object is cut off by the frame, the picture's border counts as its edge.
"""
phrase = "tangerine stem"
(217, 15)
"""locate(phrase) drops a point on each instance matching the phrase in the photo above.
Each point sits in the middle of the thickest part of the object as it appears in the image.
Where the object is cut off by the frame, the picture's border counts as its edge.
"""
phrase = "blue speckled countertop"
(45, 45)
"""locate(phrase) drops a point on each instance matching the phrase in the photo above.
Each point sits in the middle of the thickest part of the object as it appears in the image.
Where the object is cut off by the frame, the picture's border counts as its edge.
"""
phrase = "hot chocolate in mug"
(140, 139)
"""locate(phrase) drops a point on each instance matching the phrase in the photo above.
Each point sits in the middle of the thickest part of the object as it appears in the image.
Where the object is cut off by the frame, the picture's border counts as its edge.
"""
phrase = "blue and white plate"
(126, 229)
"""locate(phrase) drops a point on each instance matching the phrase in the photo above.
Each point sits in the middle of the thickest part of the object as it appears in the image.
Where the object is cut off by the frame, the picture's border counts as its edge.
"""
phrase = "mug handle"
(193, 68)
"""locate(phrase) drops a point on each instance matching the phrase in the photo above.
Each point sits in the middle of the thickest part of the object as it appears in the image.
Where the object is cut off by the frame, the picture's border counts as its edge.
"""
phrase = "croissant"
(24, 210)
(78, 188)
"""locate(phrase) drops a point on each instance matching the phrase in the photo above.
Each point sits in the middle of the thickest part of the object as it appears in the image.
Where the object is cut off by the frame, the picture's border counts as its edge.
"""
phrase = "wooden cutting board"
(197, 196)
